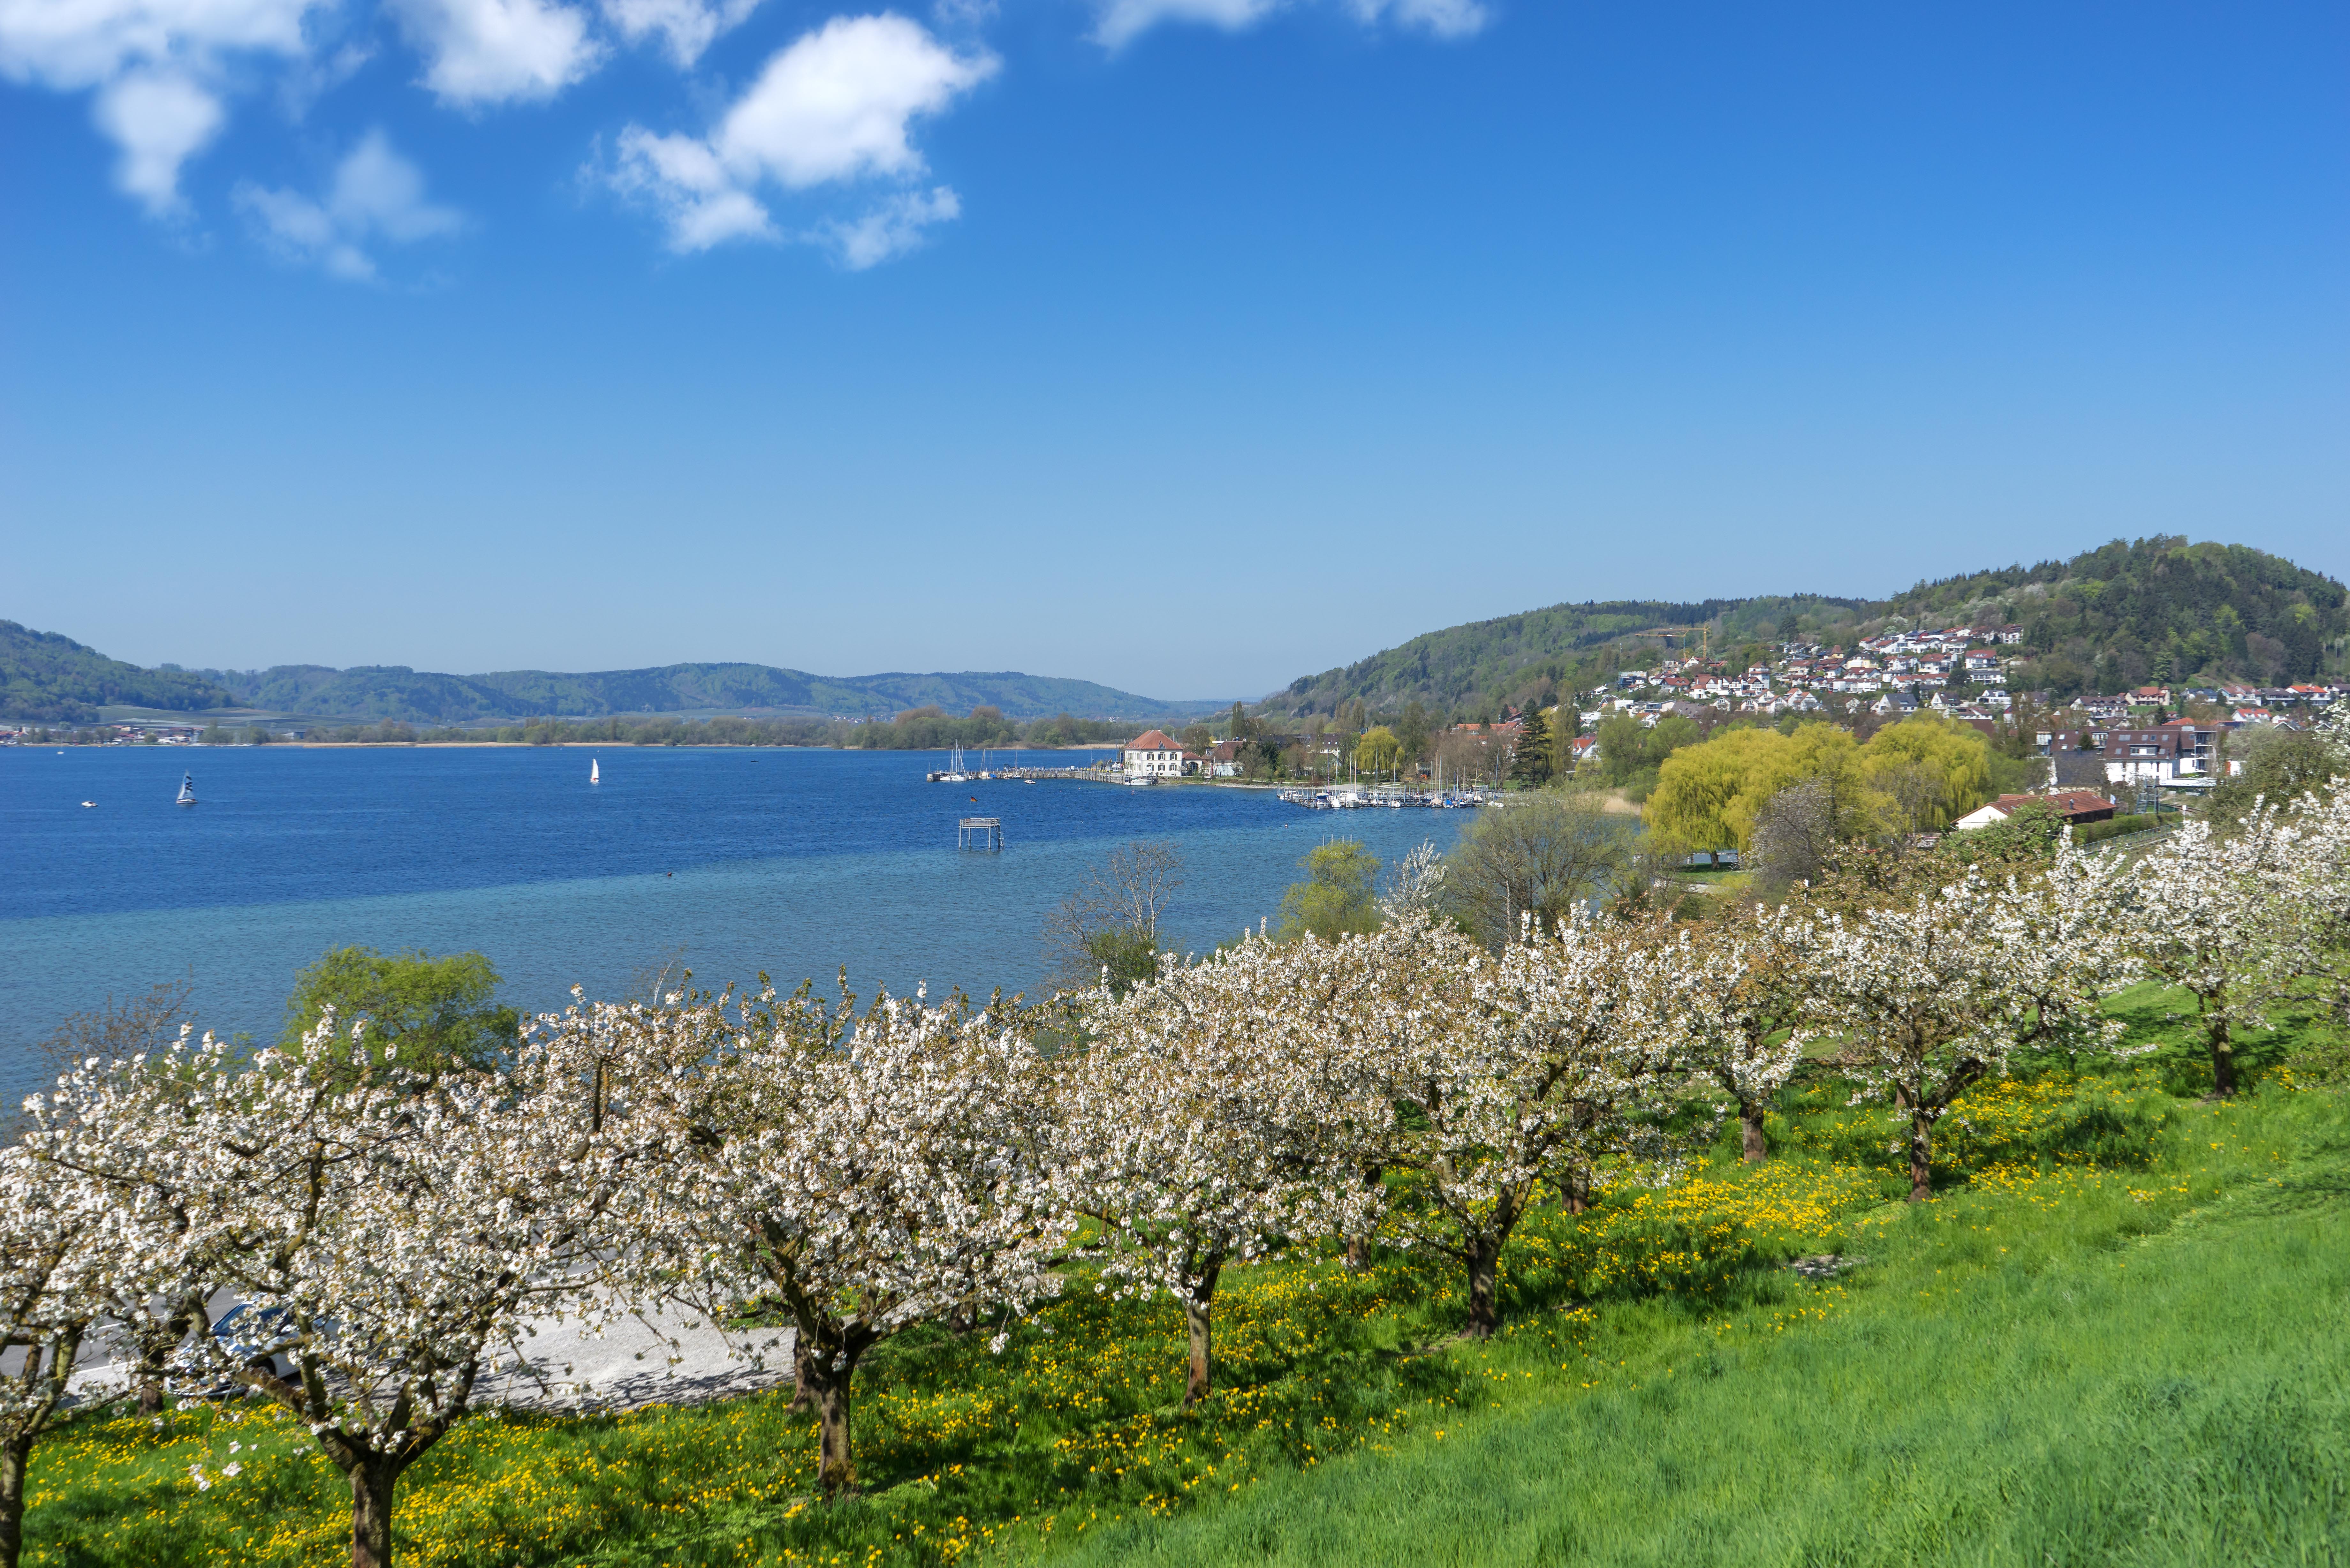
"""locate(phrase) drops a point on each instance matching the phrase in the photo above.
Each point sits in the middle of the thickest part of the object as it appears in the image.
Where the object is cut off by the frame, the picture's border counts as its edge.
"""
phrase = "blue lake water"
(728, 861)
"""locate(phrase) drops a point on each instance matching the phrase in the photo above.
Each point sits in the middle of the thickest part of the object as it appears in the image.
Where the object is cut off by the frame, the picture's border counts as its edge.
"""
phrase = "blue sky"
(1184, 345)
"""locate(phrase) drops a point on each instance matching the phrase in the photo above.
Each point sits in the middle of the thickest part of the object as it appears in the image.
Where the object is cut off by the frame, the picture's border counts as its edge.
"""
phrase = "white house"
(1155, 753)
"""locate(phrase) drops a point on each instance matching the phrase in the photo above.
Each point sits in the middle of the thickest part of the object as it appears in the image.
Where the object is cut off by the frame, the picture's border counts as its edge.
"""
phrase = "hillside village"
(2172, 736)
(1962, 673)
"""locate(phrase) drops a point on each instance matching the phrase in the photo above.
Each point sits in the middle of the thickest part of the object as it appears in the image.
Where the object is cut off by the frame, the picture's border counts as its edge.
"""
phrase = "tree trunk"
(1750, 1119)
(155, 1357)
(802, 1396)
(1198, 1307)
(2223, 1058)
(373, 1479)
(1921, 1154)
(15, 1454)
(836, 1472)
(1484, 1287)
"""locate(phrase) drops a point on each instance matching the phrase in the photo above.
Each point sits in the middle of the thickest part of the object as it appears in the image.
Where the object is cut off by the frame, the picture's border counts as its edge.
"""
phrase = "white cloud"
(832, 107)
(835, 104)
(76, 44)
(481, 52)
(891, 229)
(1123, 20)
(156, 66)
(159, 119)
(375, 195)
(686, 26)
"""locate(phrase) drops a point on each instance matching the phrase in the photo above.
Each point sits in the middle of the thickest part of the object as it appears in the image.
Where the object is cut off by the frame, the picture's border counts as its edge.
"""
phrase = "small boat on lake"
(595, 773)
(187, 790)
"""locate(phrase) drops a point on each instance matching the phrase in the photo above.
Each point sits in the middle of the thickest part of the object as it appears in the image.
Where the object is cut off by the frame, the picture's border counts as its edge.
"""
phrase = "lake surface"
(730, 861)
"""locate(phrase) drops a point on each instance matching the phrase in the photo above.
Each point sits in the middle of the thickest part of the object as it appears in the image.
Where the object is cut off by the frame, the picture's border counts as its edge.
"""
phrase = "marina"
(1354, 797)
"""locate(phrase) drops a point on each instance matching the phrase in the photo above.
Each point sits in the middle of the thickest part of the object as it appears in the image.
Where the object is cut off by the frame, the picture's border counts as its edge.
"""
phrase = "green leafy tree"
(1933, 771)
(436, 1012)
(1412, 732)
(2281, 765)
(1376, 753)
(1530, 763)
(1338, 897)
(1543, 854)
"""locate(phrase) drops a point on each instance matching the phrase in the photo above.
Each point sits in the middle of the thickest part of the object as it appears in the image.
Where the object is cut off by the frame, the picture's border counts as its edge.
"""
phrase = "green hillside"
(49, 679)
(2156, 610)
(1456, 666)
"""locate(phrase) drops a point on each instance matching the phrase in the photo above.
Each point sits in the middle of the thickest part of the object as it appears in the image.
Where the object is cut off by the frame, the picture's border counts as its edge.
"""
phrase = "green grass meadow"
(2117, 1336)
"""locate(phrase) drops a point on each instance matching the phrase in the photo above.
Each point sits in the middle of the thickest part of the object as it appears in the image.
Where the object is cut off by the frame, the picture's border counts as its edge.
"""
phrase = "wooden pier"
(979, 833)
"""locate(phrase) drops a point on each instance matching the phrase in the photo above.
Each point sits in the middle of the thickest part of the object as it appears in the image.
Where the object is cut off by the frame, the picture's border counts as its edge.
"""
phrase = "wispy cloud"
(835, 107)
(686, 28)
(890, 229)
(376, 196)
(1121, 21)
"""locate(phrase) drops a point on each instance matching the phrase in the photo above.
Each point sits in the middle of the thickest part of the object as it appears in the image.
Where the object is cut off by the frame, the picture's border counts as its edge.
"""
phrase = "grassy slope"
(2029, 1379)
(1995, 1377)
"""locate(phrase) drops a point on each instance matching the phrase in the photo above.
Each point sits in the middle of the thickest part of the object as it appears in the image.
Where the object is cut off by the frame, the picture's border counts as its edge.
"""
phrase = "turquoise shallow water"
(726, 861)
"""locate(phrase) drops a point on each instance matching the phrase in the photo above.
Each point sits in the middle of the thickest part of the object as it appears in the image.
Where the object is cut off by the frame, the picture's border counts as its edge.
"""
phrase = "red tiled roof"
(1153, 741)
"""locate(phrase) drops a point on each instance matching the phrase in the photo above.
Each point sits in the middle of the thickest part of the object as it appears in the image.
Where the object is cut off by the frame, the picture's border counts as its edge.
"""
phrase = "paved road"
(624, 1367)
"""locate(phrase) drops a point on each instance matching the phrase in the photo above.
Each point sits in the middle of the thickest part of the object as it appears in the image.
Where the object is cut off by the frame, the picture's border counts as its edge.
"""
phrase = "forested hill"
(1484, 660)
(54, 680)
(2156, 610)
(2160, 609)
(396, 692)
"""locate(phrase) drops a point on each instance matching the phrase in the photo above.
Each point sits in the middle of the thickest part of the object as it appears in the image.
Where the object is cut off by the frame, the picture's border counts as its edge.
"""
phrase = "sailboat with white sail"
(595, 773)
(187, 790)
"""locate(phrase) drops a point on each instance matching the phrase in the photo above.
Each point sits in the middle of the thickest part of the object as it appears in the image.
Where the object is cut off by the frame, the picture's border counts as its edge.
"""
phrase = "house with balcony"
(2162, 752)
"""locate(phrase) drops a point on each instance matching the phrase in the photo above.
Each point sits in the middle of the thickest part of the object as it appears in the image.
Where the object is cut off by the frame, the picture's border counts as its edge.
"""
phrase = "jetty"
(979, 833)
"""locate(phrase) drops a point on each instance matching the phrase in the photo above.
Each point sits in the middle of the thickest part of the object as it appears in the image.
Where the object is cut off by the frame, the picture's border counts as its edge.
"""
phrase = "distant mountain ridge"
(48, 679)
(411, 696)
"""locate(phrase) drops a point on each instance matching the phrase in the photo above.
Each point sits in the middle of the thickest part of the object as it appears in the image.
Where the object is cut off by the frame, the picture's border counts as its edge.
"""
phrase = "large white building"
(1155, 753)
